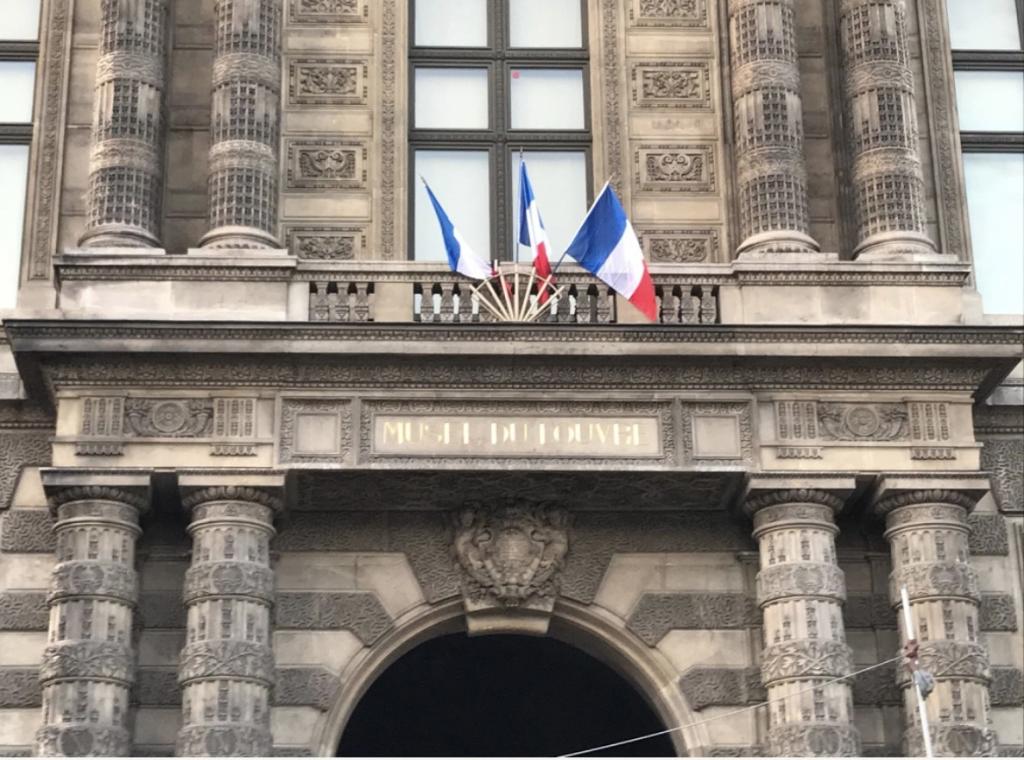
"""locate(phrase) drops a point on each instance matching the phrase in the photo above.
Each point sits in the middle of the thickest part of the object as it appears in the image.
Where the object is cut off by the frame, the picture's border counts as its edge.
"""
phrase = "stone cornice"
(246, 337)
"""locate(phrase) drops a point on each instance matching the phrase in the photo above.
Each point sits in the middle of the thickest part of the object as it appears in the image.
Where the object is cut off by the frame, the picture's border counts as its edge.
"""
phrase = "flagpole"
(922, 711)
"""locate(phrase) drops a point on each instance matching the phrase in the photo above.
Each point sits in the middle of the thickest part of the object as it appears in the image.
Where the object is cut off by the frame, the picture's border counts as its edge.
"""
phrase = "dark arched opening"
(500, 696)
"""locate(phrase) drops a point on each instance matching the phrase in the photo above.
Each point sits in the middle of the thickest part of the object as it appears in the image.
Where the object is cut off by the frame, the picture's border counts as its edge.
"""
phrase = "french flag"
(460, 256)
(607, 247)
(532, 232)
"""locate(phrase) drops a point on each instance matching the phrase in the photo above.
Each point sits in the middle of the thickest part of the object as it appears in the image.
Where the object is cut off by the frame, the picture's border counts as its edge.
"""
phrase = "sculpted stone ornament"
(814, 740)
(511, 557)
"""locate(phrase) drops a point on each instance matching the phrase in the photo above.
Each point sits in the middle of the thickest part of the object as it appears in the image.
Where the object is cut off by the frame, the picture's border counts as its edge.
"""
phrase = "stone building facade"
(251, 450)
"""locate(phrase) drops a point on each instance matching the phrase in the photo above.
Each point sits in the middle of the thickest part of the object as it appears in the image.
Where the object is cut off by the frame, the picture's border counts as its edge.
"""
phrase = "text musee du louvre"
(517, 436)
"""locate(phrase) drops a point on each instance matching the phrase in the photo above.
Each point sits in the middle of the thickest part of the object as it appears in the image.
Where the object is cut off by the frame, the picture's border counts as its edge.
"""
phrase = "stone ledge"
(294, 687)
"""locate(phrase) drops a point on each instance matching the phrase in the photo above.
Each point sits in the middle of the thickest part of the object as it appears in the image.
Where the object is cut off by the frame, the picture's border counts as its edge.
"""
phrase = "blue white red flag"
(460, 256)
(532, 232)
(607, 247)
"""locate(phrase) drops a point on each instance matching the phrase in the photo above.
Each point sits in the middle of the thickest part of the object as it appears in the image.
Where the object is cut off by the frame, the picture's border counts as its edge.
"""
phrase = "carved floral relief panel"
(326, 242)
(682, 245)
(672, 84)
(326, 164)
(316, 12)
(327, 82)
(675, 168)
(669, 13)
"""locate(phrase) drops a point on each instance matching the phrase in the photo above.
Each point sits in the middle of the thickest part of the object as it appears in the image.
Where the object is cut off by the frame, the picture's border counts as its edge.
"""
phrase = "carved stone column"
(124, 200)
(927, 533)
(771, 174)
(227, 665)
(245, 124)
(88, 665)
(801, 592)
(881, 127)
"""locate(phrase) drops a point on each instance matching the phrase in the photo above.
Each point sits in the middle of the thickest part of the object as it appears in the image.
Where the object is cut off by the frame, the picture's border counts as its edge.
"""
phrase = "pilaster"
(245, 125)
(124, 199)
(881, 125)
(227, 666)
(926, 526)
(88, 666)
(801, 592)
(771, 173)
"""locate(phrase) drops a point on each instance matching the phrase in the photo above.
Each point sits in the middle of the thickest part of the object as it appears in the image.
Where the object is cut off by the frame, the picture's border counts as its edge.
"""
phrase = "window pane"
(451, 99)
(547, 99)
(21, 20)
(986, 25)
(461, 180)
(14, 170)
(451, 23)
(559, 181)
(995, 197)
(545, 23)
(17, 83)
(990, 101)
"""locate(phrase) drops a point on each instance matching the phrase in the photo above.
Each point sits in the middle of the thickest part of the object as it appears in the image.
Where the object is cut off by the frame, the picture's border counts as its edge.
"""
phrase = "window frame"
(499, 139)
(992, 60)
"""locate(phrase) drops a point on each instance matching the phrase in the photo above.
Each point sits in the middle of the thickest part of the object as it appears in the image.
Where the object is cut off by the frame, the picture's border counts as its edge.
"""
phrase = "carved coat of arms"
(511, 554)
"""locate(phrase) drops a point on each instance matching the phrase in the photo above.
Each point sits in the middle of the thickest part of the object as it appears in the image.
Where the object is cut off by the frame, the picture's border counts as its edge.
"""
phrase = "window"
(988, 64)
(492, 80)
(19, 49)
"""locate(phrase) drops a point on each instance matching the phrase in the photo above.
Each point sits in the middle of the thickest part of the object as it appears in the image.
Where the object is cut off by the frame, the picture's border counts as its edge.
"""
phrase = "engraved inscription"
(434, 435)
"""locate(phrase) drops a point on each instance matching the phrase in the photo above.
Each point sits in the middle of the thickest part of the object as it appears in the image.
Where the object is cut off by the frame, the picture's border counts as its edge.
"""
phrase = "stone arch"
(593, 630)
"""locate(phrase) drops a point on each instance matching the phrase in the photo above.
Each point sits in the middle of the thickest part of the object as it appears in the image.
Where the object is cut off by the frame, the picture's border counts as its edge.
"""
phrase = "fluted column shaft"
(88, 664)
(881, 126)
(227, 665)
(770, 167)
(124, 199)
(801, 592)
(245, 123)
(927, 533)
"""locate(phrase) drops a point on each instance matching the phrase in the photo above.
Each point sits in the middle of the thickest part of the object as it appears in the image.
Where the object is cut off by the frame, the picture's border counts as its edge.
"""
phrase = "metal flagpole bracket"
(513, 295)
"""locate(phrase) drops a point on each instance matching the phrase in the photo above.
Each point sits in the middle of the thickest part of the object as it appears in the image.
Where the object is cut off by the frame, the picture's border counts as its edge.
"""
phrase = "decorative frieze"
(140, 417)
(227, 666)
(318, 12)
(768, 118)
(357, 611)
(837, 421)
(801, 591)
(678, 85)
(862, 422)
(124, 199)
(928, 537)
(881, 125)
(326, 164)
(1002, 457)
(245, 125)
(327, 82)
(675, 168)
(326, 243)
(87, 668)
(24, 611)
(687, 14)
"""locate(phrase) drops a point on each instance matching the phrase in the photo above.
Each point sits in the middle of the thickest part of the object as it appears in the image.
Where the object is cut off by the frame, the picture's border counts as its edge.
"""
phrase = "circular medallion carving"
(863, 421)
(169, 416)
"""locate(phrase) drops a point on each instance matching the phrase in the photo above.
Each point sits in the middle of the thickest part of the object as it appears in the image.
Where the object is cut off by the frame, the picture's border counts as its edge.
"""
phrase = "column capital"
(65, 486)
(953, 489)
(263, 488)
(765, 491)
